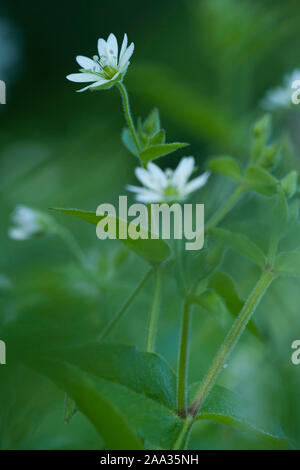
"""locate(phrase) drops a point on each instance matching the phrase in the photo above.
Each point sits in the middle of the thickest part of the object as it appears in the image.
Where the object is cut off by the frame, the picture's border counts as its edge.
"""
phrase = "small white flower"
(169, 185)
(281, 97)
(28, 223)
(107, 68)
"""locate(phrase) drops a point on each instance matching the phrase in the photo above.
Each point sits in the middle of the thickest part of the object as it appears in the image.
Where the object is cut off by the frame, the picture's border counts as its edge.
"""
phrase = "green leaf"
(223, 284)
(159, 138)
(155, 151)
(225, 407)
(289, 183)
(210, 301)
(125, 393)
(90, 400)
(70, 409)
(226, 166)
(271, 156)
(152, 123)
(129, 143)
(140, 371)
(261, 181)
(153, 250)
(288, 263)
(263, 125)
(242, 244)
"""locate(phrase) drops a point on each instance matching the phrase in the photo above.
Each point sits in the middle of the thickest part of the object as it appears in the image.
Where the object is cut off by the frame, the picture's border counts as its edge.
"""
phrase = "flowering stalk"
(182, 380)
(128, 116)
(123, 309)
(219, 215)
(232, 338)
(230, 341)
(154, 314)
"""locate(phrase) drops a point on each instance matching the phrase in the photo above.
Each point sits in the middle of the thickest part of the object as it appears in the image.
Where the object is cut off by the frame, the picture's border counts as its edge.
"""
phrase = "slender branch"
(220, 214)
(127, 112)
(72, 244)
(107, 330)
(182, 380)
(231, 339)
(154, 314)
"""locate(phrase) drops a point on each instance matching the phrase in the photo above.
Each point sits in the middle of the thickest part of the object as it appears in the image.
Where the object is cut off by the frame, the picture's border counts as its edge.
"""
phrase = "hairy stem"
(231, 339)
(220, 214)
(180, 443)
(128, 115)
(154, 314)
(115, 320)
(182, 381)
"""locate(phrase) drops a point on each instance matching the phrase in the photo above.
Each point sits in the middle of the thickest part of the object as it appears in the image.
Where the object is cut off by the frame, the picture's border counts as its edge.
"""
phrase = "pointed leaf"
(223, 284)
(288, 263)
(87, 394)
(129, 143)
(289, 183)
(159, 138)
(242, 244)
(226, 407)
(226, 166)
(155, 151)
(153, 250)
(261, 181)
(152, 123)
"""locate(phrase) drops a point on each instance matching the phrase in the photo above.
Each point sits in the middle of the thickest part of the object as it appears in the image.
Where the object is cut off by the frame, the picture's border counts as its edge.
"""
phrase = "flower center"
(171, 191)
(109, 71)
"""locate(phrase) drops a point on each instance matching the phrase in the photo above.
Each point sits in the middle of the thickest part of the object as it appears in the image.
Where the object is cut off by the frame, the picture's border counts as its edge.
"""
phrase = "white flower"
(169, 185)
(107, 68)
(281, 97)
(28, 223)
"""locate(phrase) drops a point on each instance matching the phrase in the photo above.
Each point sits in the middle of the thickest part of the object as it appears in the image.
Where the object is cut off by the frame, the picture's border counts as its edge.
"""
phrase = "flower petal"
(124, 45)
(158, 175)
(102, 47)
(18, 234)
(99, 82)
(183, 171)
(112, 46)
(134, 189)
(126, 56)
(197, 183)
(145, 178)
(86, 63)
(82, 77)
(148, 196)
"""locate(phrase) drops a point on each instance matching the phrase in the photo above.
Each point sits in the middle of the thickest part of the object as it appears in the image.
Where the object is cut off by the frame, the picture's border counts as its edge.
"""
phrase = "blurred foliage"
(206, 64)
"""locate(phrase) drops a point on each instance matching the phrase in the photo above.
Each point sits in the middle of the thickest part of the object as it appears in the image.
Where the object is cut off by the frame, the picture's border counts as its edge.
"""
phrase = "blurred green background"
(206, 64)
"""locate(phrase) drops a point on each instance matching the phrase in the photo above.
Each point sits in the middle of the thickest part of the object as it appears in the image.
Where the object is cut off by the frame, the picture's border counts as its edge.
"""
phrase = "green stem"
(272, 249)
(72, 244)
(220, 214)
(231, 339)
(154, 314)
(183, 436)
(125, 306)
(182, 380)
(127, 113)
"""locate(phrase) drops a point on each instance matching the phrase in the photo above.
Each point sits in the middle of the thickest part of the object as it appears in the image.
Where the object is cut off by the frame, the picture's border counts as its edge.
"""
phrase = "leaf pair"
(152, 139)
(128, 395)
(255, 178)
